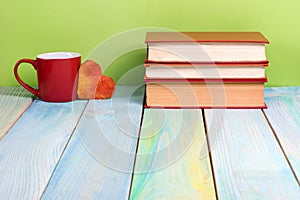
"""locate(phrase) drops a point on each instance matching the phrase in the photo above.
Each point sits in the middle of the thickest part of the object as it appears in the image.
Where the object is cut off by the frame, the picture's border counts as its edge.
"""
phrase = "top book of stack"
(244, 48)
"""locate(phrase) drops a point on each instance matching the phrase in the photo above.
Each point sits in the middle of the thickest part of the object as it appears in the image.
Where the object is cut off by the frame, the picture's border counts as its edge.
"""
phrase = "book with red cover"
(198, 71)
(206, 47)
(232, 37)
(212, 64)
(205, 93)
(205, 80)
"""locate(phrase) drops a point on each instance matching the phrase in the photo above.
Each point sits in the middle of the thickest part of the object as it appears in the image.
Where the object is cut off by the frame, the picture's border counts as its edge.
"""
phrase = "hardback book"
(205, 93)
(206, 47)
(200, 71)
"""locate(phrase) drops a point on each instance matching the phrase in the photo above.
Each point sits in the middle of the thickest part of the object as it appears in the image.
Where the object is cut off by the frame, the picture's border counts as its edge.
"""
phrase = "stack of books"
(205, 69)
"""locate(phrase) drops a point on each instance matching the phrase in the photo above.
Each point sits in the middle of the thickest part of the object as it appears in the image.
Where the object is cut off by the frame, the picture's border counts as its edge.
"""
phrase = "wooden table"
(115, 149)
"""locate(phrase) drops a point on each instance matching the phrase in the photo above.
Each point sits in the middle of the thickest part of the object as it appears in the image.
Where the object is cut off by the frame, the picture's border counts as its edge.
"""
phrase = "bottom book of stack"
(205, 93)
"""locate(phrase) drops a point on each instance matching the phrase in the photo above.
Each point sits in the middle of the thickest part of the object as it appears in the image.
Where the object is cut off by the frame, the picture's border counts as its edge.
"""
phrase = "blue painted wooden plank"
(284, 115)
(247, 160)
(33, 146)
(98, 162)
(13, 102)
(281, 91)
(172, 160)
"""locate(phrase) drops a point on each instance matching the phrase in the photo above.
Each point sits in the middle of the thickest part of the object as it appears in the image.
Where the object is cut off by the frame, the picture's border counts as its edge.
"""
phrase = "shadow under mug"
(57, 75)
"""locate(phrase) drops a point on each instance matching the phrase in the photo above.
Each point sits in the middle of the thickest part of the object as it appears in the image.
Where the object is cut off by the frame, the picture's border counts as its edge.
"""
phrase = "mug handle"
(35, 92)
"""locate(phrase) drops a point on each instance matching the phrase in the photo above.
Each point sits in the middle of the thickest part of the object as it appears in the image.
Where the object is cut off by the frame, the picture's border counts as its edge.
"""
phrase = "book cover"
(201, 64)
(192, 71)
(206, 47)
(245, 37)
(206, 80)
(207, 62)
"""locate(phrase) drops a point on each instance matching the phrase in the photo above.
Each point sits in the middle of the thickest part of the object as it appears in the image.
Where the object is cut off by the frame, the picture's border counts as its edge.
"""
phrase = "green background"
(31, 27)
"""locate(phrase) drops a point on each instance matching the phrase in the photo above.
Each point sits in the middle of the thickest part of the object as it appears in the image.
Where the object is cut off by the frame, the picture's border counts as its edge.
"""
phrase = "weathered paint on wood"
(13, 102)
(33, 146)
(284, 115)
(247, 160)
(98, 162)
(172, 160)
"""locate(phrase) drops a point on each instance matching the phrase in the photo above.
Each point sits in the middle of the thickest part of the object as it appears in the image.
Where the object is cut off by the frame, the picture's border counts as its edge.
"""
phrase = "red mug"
(57, 75)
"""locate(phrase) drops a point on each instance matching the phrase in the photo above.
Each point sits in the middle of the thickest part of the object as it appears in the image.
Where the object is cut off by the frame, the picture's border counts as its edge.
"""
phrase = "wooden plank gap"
(170, 163)
(280, 145)
(64, 149)
(33, 147)
(136, 151)
(209, 153)
(98, 161)
(16, 120)
(248, 163)
(14, 101)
